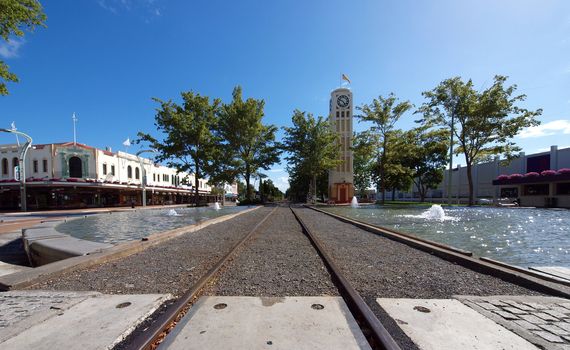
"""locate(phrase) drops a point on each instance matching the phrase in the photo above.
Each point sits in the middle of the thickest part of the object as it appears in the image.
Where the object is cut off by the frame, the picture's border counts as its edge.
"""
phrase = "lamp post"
(22, 165)
(143, 170)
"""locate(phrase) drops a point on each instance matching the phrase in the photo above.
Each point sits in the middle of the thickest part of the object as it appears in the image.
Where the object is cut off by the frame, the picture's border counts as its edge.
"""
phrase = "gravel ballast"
(278, 261)
(170, 267)
(378, 267)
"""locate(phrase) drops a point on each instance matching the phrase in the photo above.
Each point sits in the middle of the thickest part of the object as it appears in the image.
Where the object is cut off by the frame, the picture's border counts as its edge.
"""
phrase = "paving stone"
(515, 311)
(506, 315)
(527, 325)
(545, 316)
(555, 313)
(567, 338)
(564, 325)
(519, 305)
(565, 305)
(498, 303)
(549, 336)
(536, 306)
(533, 319)
(487, 306)
(554, 330)
(560, 309)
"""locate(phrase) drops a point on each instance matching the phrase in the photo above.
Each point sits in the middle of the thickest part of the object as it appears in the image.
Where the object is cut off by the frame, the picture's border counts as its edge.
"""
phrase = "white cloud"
(275, 170)
(561, 126)
(281, 182)
(115, 6)
(9, 49)
(547, 149)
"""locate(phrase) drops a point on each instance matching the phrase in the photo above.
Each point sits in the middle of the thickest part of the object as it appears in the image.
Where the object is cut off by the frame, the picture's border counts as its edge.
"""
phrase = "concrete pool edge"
(510, 273)
(38, 274)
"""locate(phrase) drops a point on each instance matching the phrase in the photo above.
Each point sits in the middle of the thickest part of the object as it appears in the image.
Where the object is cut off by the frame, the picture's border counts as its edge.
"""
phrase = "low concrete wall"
(45, 245)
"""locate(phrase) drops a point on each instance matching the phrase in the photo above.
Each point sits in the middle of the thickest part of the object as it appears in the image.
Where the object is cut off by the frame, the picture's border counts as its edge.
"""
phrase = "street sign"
(17, 173)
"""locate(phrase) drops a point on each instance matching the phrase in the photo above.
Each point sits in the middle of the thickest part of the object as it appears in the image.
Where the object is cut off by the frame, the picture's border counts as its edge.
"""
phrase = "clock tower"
(341, 178)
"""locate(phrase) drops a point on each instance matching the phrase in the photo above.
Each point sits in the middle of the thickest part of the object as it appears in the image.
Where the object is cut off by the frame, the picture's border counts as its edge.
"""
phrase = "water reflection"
(126, 226)
(523, 237)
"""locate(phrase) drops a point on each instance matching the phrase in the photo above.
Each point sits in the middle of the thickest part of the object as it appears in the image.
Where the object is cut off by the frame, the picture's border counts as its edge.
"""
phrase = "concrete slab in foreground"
(71, 320)
(267, 323)
(448, 324)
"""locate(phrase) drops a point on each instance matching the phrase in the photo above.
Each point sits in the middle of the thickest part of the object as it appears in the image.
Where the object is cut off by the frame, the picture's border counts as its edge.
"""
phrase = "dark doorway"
(75, 167)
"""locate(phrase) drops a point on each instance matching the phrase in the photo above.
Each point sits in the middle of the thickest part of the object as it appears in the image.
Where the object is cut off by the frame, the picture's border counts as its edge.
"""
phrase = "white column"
(554, 157)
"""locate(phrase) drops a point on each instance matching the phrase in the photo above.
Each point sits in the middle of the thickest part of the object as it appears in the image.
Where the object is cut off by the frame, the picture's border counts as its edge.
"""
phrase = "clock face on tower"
(342, 101)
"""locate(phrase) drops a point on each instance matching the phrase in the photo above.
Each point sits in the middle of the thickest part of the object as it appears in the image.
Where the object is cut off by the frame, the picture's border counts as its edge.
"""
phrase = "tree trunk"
(313, 190)
(470, 182)
(382, 171)
(247, 187)
(196, 182)
(393, 194)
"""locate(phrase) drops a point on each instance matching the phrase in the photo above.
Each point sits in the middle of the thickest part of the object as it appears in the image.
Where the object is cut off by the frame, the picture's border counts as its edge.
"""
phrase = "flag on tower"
(345, 77)
(127, 142)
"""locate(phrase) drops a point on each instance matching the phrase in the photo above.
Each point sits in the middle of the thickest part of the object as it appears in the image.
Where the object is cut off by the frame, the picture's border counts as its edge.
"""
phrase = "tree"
(483, 122)
(269, 191)
(383, 113)
(424, 152)
(365, 145)
(189, 143)
(248, 145)
(313, 149)
(15, 17)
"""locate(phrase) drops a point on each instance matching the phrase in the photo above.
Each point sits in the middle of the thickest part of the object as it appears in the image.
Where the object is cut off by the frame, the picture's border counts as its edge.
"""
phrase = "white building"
(61, 175)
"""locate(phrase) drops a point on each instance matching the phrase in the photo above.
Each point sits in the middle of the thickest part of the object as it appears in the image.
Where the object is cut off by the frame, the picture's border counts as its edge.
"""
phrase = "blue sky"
(106, 59)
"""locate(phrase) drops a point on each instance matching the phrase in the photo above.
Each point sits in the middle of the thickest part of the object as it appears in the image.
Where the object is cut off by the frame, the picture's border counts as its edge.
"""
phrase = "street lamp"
(22, 165)
(143, 170)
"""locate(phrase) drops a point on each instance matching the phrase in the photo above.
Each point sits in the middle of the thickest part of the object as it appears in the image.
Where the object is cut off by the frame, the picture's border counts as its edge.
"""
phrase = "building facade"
(535, 180)
(341, 178)
(68, 175)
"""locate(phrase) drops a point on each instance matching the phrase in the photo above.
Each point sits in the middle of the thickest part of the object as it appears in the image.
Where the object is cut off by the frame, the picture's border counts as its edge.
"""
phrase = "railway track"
(376, 334)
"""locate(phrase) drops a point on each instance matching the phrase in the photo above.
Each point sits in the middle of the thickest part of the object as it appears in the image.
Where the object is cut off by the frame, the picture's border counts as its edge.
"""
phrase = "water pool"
(133, 225)
(522, 237)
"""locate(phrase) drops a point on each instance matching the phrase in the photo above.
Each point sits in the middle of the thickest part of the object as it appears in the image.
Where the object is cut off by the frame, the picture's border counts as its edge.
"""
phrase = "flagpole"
(14, 128)
(74, 131)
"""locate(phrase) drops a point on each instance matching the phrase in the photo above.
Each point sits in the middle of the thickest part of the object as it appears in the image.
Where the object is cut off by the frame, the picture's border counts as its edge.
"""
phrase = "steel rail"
(165, 321)
(513, 274)
(377, 336)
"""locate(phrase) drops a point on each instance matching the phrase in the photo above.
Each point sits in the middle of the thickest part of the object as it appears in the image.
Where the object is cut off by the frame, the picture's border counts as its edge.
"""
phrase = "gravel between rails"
(170, 267)
(278, 261)
(378, 267)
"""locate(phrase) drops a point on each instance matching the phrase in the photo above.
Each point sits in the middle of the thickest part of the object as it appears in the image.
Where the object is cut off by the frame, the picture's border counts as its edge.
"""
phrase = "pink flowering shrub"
(548, 172)
(564, 171)
(503, 177)
(515, 176)
(532, 174)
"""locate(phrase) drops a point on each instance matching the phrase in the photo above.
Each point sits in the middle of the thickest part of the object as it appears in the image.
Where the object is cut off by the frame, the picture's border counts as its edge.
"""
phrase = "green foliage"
(384, 113)
(424, 151)
(484, 123)
(365, 145)
(15, 17)
(248, 145)
(269, 192)
(190, 143)
(313, 148)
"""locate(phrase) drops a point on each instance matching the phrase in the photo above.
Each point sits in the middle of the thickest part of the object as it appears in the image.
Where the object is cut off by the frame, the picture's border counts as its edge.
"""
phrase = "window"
(337, 115)
(35, 164)
(75, 167)
(15, 162)
(104, 169)
(153, 177)
(509, 192)
(137, 173)
(4, 166)
(129, 172)
(536, 190)
(563, 188)
(113, 170)
(44, 165)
